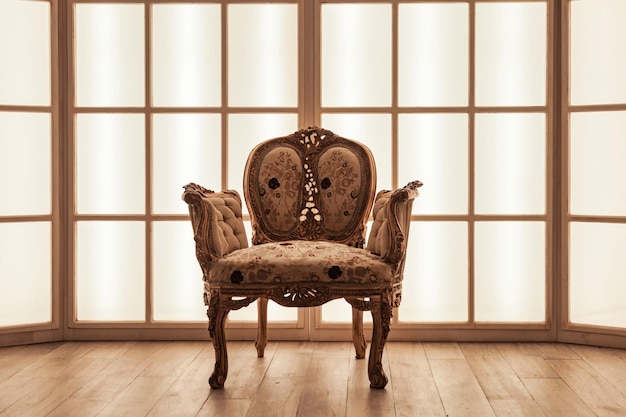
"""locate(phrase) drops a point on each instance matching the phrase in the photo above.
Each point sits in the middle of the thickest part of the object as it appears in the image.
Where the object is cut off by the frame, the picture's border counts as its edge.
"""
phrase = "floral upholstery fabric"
(279, 188)
(340, 186)
(300, 261)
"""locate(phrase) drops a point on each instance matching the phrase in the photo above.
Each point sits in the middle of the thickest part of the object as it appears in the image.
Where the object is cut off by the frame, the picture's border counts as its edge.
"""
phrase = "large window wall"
(511, 236)
(165, 94)
(594, 222)
(29, 171)
(455, 94)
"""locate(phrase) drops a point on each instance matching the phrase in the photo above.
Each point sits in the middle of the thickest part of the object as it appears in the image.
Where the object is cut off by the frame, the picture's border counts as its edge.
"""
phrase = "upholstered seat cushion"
(299, 261)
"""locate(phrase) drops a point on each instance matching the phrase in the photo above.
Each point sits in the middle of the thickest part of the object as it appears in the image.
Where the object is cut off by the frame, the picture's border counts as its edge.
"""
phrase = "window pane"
(373, 130)
(263, 55)
(597, 53)
(597, 268)
(340, 311)
(433, 54)
(433, 148)
(178, 286)
(510, 271)
(248, 130)
(597, 169)
(25, 163)
(186, 148)
(356, 55)
(25, 52)
(110, 271)
(186, 55)
(109, 42)
(510, 163)
(435, 287)
(25, 273)
(511, 41)
(110, 163)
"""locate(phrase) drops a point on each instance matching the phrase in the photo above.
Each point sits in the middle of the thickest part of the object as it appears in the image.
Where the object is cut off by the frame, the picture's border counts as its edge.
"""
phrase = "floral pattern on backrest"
(311, 185)
(279, 188)
(340, 183)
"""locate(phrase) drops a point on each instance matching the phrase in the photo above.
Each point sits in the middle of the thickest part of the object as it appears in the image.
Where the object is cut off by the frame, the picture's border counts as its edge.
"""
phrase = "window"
(108, 108)
(29, 218)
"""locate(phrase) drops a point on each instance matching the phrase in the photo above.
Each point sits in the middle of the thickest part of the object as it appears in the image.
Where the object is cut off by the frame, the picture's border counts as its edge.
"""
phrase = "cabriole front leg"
(381, 315)
(217, 319)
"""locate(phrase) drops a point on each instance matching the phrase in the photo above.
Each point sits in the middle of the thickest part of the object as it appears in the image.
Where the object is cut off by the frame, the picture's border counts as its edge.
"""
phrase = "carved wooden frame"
(378, 298)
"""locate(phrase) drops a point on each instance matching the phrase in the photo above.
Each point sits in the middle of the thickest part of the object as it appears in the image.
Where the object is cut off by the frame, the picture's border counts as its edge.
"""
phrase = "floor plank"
(414, 389)
(312, 379)
(591, 387)
(556, 399)
(610, 363)
(325, 393)
(504, 390)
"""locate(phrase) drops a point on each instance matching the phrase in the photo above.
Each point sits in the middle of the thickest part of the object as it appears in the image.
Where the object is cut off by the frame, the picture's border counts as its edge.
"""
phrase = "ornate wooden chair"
(309, 196)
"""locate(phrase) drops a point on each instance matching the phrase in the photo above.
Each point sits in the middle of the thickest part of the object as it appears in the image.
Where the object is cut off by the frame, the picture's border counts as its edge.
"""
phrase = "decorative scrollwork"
(300, 293)
(299, 296)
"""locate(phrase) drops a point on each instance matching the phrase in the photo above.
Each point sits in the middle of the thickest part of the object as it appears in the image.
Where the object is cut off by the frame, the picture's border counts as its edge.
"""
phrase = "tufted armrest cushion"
(217, 221)
(392, 218)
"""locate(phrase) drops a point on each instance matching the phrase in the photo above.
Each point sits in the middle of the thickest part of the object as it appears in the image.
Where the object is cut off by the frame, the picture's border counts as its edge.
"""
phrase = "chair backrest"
(310, 185)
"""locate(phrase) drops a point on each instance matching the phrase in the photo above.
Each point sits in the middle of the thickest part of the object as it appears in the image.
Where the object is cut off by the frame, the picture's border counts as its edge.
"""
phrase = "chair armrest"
(392, 218)
(217, 222)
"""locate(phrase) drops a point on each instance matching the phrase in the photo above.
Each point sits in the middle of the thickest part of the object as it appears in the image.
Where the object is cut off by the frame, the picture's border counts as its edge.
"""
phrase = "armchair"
(309, 196)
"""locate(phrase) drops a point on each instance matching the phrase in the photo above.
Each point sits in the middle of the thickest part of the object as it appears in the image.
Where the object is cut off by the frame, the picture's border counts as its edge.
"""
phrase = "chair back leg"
(261, 337)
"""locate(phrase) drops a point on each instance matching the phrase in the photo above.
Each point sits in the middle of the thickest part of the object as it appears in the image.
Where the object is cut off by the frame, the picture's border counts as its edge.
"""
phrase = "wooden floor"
(308, 379)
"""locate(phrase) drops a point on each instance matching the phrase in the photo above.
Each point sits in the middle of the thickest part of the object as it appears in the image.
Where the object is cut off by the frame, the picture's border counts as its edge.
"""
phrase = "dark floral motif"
(341, 172)
(273, 183)
(280, 170)
(236, 277)
(334, 272)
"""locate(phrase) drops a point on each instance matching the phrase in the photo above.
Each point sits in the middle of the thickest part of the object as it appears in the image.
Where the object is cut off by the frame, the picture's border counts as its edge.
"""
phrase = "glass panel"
(25, 52)
(433, 54)
(25, 273)
(356, 55)
(177, 277)
(110, 163)
(510, 163)
(511, 41)
(597, 268)
(373, 130)
(435, 287)
(25, 163)
(248, 130)
(510, 271)
(109, 55)
(597, 169)
(340, 311)
(186, 55)
(186, 148)
(597, 53)
(433, 148)
(110, 271)
(263, 55)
